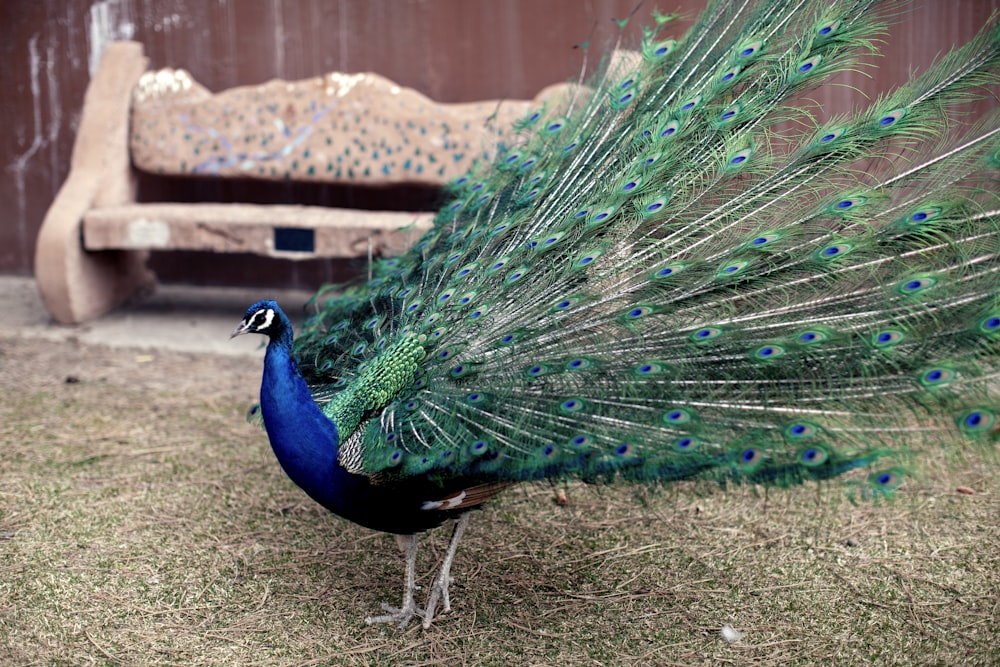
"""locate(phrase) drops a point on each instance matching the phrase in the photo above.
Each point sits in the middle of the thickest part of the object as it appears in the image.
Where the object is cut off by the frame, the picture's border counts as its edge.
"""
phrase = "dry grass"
(143, 522)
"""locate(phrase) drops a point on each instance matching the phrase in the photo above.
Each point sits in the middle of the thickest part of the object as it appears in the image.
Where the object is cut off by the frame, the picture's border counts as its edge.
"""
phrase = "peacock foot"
(439, 591)
(400, 617)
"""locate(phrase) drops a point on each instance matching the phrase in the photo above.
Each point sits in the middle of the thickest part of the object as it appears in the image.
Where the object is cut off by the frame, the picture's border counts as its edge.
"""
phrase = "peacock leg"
(440, 588)
(402, 616)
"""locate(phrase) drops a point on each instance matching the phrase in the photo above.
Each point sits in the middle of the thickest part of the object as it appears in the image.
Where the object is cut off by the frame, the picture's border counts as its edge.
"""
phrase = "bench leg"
(78, 285)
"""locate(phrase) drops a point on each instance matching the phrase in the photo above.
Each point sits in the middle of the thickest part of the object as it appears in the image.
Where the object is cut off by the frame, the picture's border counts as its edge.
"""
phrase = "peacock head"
(264, 317)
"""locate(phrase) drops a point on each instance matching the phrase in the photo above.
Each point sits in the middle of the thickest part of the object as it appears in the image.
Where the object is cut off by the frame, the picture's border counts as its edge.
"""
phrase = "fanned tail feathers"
(677, 273)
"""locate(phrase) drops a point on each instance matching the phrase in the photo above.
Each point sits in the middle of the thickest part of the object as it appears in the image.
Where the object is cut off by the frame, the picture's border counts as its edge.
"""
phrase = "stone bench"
(358, 130)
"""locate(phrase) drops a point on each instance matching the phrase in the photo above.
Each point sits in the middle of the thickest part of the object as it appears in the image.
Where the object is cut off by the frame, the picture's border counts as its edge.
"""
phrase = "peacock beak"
(241, 328)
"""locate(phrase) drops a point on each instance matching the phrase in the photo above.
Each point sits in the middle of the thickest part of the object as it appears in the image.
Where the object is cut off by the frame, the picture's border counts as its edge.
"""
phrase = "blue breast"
(306, 444)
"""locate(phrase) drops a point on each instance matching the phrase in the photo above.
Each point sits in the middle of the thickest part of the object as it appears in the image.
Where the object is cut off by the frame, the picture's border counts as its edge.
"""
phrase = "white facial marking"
(268, 318)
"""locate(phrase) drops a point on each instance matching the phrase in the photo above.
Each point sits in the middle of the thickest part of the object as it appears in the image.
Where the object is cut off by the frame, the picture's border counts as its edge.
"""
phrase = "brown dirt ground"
(142, 521)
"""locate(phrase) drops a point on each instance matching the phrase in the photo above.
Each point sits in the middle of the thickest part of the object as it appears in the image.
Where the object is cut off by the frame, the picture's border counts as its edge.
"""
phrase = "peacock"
(674, 272)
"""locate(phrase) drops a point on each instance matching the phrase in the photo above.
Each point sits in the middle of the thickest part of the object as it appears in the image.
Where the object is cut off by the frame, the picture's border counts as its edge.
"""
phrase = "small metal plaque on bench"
(294, 239)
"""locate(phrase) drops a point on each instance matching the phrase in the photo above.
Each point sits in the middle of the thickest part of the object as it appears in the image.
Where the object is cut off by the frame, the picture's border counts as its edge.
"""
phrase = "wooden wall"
(452, 50)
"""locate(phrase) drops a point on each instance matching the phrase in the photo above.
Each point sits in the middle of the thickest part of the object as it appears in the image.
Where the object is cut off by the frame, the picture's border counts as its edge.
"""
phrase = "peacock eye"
(262, 318)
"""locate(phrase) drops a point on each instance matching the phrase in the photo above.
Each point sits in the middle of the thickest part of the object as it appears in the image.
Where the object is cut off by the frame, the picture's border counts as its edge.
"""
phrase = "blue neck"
(304, 440)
